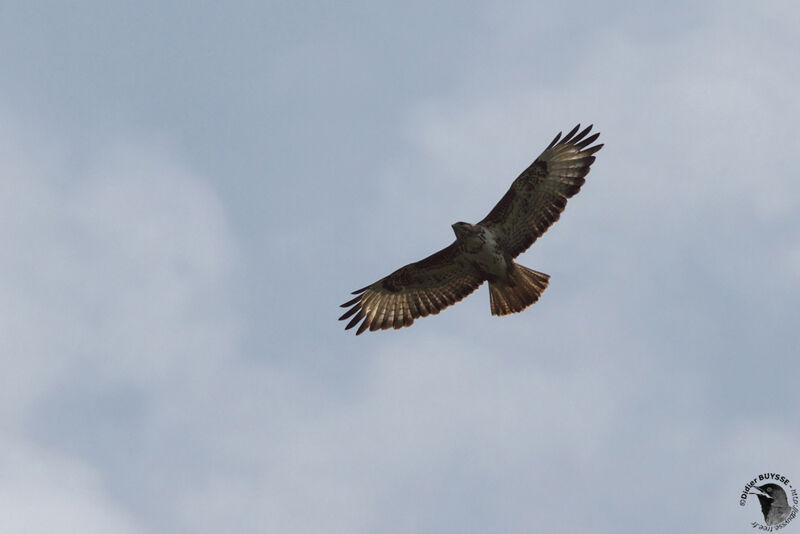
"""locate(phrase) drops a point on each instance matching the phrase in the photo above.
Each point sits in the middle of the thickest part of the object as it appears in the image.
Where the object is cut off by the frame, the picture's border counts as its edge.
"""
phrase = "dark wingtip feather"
(359, 291)
(363, 327)
(581, 134)
(554, 141)
(349, 312)
(354, 320)
(568, 137)
(588, 141)
(593, 149)
(349, 302)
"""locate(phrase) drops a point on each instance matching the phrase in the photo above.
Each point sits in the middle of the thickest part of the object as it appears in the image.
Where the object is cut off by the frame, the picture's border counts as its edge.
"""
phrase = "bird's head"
(771, 492)
(463, 229)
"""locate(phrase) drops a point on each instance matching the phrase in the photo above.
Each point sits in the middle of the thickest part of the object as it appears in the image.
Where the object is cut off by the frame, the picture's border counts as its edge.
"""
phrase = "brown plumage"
(484, 251)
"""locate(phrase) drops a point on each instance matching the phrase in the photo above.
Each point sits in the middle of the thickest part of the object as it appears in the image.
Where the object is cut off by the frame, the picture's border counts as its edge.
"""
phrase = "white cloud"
(424, 411)
(115, 276)
(42, 492)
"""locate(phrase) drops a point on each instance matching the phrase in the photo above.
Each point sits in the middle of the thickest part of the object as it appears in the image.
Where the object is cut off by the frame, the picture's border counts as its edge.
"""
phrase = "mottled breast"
(483, 251)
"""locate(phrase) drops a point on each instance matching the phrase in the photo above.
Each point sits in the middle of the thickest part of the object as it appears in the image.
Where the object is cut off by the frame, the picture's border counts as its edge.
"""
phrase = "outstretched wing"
(416, 290)
(539, 195)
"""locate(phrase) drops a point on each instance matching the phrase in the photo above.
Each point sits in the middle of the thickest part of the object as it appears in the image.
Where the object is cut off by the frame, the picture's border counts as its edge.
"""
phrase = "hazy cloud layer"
(189, 192)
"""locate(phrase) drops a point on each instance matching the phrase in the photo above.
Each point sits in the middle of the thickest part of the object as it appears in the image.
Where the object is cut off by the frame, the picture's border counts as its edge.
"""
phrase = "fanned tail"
(525, 288)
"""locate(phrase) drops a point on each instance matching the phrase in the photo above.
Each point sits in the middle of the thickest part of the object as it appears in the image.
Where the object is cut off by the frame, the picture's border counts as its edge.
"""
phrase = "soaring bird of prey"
(774, 504)
(484, 251)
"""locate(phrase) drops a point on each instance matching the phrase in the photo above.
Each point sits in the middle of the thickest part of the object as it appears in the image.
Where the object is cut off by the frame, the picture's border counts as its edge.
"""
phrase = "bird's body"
(481, 249)
(484, 251)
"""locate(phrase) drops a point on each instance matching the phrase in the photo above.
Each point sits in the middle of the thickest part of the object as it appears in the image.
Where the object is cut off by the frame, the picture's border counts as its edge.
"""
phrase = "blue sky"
(191, 190)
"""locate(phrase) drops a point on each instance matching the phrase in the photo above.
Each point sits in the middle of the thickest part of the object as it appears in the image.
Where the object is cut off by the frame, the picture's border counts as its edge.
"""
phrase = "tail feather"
(525, 288)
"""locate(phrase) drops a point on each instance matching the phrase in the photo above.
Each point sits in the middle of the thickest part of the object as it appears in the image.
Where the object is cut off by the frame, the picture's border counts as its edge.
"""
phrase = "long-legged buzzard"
(484, 251)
